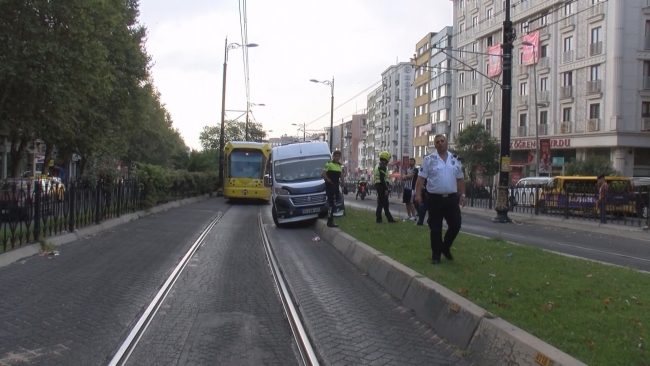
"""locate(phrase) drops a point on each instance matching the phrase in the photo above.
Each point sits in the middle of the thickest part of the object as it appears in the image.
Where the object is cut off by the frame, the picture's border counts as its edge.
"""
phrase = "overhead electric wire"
(570, 15)
(346, 102)
(243, 28)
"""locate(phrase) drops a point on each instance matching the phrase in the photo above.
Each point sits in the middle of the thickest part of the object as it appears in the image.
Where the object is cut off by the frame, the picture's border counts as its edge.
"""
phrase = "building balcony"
(521, 131)
(460, 112)
(566, 92)
(568, 56)
(461, 86)
(522, 99)
(474, 83)
(566, 127)
(543, 63)
(568, 23)
(593, 124)
(472, 109)
(594, 86)
(645, 124)
(596, 48)
(542, 129)
(597, 11)
(543, 96)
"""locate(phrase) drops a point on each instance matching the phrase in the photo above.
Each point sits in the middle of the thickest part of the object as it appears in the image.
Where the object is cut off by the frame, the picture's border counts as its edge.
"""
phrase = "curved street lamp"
(230, 46)
(331, 84)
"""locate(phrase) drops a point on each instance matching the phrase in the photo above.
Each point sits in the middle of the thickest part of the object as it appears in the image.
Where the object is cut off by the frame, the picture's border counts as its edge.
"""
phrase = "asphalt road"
(612, 249)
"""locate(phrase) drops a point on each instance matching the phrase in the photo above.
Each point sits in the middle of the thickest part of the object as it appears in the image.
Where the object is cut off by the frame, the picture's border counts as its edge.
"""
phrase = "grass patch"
(597, 313)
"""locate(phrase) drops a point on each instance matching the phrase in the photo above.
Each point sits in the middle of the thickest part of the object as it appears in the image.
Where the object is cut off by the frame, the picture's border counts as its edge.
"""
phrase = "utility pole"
(501, 205)
(223, 121)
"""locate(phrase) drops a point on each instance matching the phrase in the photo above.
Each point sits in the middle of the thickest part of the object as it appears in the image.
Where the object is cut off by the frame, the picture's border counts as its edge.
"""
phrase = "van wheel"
(274, 213)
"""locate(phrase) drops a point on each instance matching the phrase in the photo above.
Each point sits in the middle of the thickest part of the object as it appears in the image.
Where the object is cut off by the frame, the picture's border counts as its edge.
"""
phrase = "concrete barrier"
(491, 341)
(28, 250)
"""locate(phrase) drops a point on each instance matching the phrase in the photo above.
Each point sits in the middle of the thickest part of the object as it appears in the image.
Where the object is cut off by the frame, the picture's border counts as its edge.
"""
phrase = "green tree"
(197, 161)
(476, 147)
(592, 165)
(233, 131)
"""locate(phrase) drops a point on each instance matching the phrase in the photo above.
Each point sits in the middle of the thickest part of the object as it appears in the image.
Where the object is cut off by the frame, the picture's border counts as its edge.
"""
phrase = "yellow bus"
(246, 164)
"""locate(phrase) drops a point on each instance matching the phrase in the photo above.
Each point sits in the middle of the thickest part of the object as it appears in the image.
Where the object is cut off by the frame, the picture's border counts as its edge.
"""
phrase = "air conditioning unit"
(593, 124)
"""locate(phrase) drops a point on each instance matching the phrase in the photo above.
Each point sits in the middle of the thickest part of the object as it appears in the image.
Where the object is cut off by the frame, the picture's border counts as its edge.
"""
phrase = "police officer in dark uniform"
(382, 186)
(333, 175)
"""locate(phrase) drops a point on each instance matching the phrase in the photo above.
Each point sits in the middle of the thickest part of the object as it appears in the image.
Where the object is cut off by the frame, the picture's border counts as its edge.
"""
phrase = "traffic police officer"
(382, 186)
(332, 173)
(445, 192)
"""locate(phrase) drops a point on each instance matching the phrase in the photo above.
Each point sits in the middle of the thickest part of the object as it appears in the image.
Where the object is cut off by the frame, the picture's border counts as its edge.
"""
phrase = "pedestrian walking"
(445, 194)
(333, 175)
(382, 186)
(603, 192)
(409, 179)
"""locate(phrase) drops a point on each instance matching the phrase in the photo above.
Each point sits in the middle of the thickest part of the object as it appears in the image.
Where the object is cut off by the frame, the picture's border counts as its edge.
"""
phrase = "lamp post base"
(501, 206)
(502, 218)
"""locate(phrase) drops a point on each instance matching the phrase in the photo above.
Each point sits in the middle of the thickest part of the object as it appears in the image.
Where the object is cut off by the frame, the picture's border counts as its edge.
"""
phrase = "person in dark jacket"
(382, 186)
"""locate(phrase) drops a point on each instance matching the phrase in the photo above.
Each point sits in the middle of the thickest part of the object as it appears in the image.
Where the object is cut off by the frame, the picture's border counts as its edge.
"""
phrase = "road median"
(502, 302)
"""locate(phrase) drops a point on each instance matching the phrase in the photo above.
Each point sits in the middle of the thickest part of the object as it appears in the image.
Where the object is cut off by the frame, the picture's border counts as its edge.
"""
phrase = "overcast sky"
(352, 40)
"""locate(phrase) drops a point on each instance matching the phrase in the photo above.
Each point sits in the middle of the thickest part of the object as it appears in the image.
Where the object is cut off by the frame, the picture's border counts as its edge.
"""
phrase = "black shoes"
(435, 261)
(331, 224)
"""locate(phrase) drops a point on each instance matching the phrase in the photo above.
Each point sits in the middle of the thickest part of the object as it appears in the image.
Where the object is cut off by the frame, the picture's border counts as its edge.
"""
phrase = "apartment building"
(583, 83)
(370, 151)
(440, 84)
(394, 130)
(352, 132)
(421, 121)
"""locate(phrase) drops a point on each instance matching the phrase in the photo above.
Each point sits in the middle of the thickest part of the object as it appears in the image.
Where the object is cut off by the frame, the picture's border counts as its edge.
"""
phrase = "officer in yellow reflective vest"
(382, 185)
(333, 175)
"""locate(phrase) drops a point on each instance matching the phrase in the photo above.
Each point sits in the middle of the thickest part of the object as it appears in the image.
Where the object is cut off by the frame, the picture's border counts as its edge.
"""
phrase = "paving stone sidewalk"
(76, 308)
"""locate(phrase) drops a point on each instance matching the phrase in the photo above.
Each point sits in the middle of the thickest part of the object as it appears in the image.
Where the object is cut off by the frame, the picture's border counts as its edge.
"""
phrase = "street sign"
(505, 164)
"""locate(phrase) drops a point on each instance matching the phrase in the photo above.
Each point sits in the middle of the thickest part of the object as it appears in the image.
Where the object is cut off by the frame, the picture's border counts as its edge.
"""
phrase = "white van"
(298, 191)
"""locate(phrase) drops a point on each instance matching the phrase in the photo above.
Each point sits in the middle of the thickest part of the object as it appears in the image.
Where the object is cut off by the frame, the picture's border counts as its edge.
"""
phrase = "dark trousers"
(422, 211)
(382, 202)
(443, 208)
(333, 193)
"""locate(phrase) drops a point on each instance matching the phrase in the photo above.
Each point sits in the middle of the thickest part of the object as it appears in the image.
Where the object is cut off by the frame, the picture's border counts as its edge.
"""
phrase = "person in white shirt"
(445, 194)
(409, 190)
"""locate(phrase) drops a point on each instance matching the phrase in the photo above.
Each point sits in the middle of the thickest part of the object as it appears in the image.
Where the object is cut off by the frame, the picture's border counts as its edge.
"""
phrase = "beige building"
(421, 120)
(589, 92)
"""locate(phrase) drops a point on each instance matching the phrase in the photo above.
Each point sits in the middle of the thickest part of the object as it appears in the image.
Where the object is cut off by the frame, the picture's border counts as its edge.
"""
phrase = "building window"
(460, 127)
(567, 78)
(568, 8)
(474, 75)
(461, 103)
(543, 51)
(523, 88)
(568, 44)
(595, 35)
(543, 20)
(434, 94)
(489, 40)
(594, 110)
(461, 78)
(594, 73)
(475, 22)
(645, 109)
(488, 96)
(488, 14)
(474, 99)
(522, 120)
(473, 122)
(443, 115)
(543, 84)
(543, 117)
(488, 124)
(566, 114)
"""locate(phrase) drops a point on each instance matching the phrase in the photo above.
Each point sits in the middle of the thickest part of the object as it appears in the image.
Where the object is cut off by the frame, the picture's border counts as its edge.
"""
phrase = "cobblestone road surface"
(352, 320)
(76, 308)
(224, 309)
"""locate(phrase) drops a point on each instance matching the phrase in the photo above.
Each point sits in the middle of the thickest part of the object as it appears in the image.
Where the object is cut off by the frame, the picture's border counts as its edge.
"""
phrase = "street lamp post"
(537, 160)
(331, 84)
(501, 206)
(227, 47)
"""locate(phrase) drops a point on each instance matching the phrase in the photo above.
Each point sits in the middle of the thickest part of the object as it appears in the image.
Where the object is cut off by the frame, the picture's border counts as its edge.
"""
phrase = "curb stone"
(29, 250)
(491, 341)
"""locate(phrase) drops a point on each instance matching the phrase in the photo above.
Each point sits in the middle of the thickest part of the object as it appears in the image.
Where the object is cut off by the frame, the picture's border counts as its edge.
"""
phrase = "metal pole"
(332, 117)
(247, 109)
(223, 122)
(304, 132)
(501, 206)
(536, 114)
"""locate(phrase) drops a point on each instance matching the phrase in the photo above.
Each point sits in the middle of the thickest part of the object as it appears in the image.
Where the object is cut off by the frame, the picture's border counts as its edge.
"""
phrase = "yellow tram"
(246, 164)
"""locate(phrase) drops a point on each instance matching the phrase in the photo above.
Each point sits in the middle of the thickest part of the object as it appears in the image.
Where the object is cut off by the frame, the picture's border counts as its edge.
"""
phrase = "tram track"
(305, 351)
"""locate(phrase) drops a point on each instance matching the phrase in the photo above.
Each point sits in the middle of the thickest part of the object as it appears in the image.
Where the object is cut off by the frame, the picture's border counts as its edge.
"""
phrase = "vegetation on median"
(597, 313)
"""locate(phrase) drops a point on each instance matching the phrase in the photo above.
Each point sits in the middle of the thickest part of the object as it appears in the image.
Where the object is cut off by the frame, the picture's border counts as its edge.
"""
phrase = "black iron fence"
(624, 205)
(34, 209)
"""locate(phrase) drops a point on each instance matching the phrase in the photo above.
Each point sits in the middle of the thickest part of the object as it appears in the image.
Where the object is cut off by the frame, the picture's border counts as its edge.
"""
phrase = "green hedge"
(162, 185)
